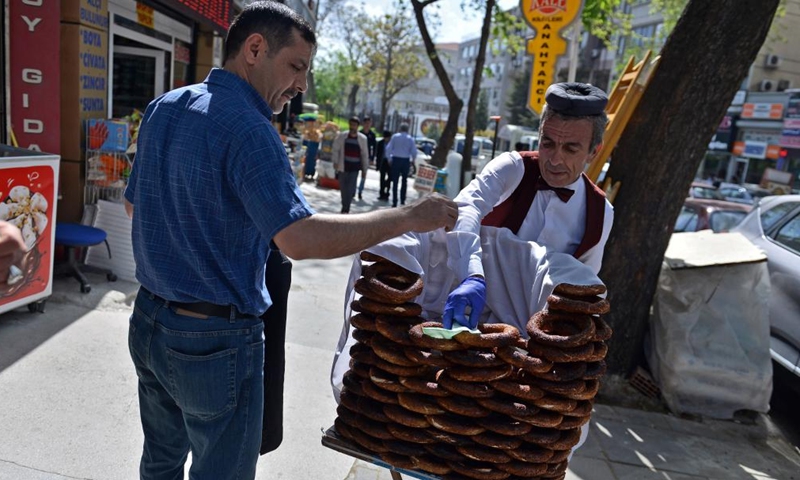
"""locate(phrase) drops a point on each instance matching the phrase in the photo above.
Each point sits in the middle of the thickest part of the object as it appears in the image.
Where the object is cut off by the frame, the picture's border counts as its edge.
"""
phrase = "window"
(723, 221)
(789, 234)
(687, 220)
(772, 216)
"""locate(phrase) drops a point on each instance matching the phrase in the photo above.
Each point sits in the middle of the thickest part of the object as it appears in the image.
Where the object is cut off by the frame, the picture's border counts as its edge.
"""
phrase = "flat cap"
(576, 99)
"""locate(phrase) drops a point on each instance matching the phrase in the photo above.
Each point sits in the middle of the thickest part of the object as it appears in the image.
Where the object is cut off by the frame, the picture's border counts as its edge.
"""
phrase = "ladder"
(621, 104)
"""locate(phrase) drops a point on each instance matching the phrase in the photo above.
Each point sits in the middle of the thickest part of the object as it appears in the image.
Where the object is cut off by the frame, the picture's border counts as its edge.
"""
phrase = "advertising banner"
(28, 192)
(790, 136)
(548, 18)
(33, 73)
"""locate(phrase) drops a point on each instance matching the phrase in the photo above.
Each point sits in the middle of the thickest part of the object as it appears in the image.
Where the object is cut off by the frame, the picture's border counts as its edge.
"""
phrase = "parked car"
(774, 227)
(704, 190)
(421, 158)
(735, 193)
(702, 214)
(481, 151)
(425, 144)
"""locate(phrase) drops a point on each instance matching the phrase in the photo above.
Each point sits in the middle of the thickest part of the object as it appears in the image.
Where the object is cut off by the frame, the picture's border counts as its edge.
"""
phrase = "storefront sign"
(725, 133)
(739, 98)
(754, 149)
(145, 15)
(34, 70)
(216, 13)
(92, 13)
(548, 18)
(790, 136)
(768, 111)
(93, 72)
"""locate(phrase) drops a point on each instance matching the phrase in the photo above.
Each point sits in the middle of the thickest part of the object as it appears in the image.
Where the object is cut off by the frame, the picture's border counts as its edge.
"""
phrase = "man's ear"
(254, 46)
(597, 149)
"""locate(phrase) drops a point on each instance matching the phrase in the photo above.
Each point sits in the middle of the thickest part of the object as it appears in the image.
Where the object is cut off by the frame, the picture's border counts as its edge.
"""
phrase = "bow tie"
(564, 194)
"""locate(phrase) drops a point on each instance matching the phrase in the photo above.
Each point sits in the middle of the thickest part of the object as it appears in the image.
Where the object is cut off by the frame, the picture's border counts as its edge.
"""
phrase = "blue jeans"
(399, 169)
(201, 388)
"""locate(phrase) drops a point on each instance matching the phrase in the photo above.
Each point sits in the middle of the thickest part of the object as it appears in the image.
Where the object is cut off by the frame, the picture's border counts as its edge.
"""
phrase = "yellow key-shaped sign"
(547, 18)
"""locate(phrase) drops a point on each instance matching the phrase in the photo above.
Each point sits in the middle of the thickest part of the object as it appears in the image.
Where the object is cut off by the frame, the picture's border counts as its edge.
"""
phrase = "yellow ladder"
(621, 103)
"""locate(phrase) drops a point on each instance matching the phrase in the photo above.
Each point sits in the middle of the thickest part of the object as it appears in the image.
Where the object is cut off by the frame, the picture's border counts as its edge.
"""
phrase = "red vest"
(513, 211)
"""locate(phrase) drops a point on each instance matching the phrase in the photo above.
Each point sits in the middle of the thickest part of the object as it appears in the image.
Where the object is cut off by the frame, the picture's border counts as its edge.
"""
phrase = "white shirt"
(550, 222)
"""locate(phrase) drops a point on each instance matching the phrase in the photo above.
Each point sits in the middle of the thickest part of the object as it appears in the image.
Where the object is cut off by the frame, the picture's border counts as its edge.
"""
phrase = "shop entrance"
(139, 77)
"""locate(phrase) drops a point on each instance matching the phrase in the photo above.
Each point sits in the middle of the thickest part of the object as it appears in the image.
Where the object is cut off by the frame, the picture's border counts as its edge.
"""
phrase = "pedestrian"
(350, 158)
(542, 197)
(383, 166)
(400, 151)
(367, 131)
(12, 247)
(211, 190)
(311, 138)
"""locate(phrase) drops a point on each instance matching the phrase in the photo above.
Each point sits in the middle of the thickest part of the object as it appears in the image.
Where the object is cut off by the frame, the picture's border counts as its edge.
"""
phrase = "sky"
(468, 27)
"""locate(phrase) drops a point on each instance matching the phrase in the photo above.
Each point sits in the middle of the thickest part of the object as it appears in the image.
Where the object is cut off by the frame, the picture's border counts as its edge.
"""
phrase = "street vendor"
(541, 196)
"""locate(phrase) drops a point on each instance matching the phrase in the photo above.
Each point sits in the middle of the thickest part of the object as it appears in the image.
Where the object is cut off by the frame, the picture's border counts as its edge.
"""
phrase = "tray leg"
(396, 475)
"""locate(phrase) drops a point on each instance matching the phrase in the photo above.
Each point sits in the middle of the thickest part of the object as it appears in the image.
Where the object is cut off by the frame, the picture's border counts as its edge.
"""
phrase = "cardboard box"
(92, 13)
(84, 90)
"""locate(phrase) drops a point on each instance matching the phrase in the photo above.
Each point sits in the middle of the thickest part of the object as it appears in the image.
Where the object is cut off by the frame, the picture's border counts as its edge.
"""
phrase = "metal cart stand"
(28, 197)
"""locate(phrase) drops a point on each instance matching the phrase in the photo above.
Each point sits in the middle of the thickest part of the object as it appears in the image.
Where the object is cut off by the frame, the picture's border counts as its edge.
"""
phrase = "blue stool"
(73, 236)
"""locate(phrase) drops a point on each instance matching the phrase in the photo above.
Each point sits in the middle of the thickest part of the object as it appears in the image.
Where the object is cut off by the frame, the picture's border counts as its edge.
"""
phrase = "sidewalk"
(68, 406)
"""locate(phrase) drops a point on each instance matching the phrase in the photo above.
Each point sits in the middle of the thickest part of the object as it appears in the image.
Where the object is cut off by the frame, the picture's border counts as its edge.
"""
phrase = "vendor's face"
(279, 76)
(564, 150)
(353, 127)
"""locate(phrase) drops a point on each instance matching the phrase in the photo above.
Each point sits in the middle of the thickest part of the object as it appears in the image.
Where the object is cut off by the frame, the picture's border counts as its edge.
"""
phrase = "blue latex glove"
(472, 293)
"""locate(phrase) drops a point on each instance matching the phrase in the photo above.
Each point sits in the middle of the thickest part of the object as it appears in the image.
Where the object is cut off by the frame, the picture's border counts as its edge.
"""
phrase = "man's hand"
(432, 212)
(11, 248)
(472, 293)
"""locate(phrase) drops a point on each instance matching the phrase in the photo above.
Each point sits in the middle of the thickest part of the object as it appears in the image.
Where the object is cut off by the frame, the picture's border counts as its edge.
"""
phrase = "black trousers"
(385, 182)
(278, 280)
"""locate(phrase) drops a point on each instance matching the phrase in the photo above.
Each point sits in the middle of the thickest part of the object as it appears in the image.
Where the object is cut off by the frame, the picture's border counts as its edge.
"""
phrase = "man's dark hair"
(355, 119)
(274, 21)
(367, 119)
(387, 133)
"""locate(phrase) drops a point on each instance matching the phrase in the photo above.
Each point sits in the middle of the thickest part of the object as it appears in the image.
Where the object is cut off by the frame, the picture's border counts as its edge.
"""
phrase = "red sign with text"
(34, 73)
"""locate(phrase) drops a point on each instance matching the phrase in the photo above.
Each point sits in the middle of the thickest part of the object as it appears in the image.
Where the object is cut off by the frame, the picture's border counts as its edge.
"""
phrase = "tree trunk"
(702, 65)
(466, 164)
(450, 129)
(385, 87)
(351, 100)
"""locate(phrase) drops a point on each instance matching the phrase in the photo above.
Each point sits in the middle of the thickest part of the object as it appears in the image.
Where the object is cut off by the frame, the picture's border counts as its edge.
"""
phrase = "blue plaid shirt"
(211, 185)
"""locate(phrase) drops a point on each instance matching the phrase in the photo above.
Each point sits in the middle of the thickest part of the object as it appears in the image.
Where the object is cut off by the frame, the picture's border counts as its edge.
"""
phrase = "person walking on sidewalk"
(367, 131)
(350, 157)
(201, 233)
(383, 166)
(401, 151)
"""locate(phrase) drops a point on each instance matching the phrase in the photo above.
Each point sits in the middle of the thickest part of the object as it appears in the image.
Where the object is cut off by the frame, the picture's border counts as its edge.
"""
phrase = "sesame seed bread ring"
(364, 321)
(519, 390)
(561, 372)
(433, 358)
(474, 358)
(465, 406)
(372, 410)
(360, 368)
(374, 429)
(392, 282)
(404, 417)
(342, 429)
(559, 456)
(482, 453)
(555, 470)
(467, 389)
(522, 359)
(397, 332)
(424, 341)
(454, 424)
(400, 370)
(389, 352)
(492, 335)
(352, 382)
(408, 434)
(368, 290)
(561, 388)
(347, 416)
(385, 380)
(444, 452)
(531, 453)
(523, 469)
(397, 460)
(503, 425)
(568, 439)
(450, 439)
(560, 330)
(362, 353)
(595, 370)
(349, 400)
(587, 393)
(423, 386)
(371, 257)
(419, 403)
(600, 349)
(495, 440)
(561, 355)
(602, 331)
(571, 290)
(364, 336)
(542, 436)
(544, 418)
(573, 422)
(426, 463)
(508, 406)
(591, 305)
(583, 408)
(379, 394)
(372, 444)
(555, 403)
(487, 374)
(366, 304)
(478, 470)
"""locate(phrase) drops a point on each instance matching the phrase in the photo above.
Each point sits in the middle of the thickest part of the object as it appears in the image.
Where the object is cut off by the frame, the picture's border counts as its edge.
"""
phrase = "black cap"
(576, 99)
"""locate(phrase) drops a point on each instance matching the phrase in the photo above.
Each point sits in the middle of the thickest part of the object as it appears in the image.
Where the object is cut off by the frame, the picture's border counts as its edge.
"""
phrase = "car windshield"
(772, 216)
(706, 192)
(724, 220)
(687, 220)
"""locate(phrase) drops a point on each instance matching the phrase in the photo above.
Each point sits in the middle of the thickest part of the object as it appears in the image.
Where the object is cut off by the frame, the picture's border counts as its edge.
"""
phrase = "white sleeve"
(492, 186)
